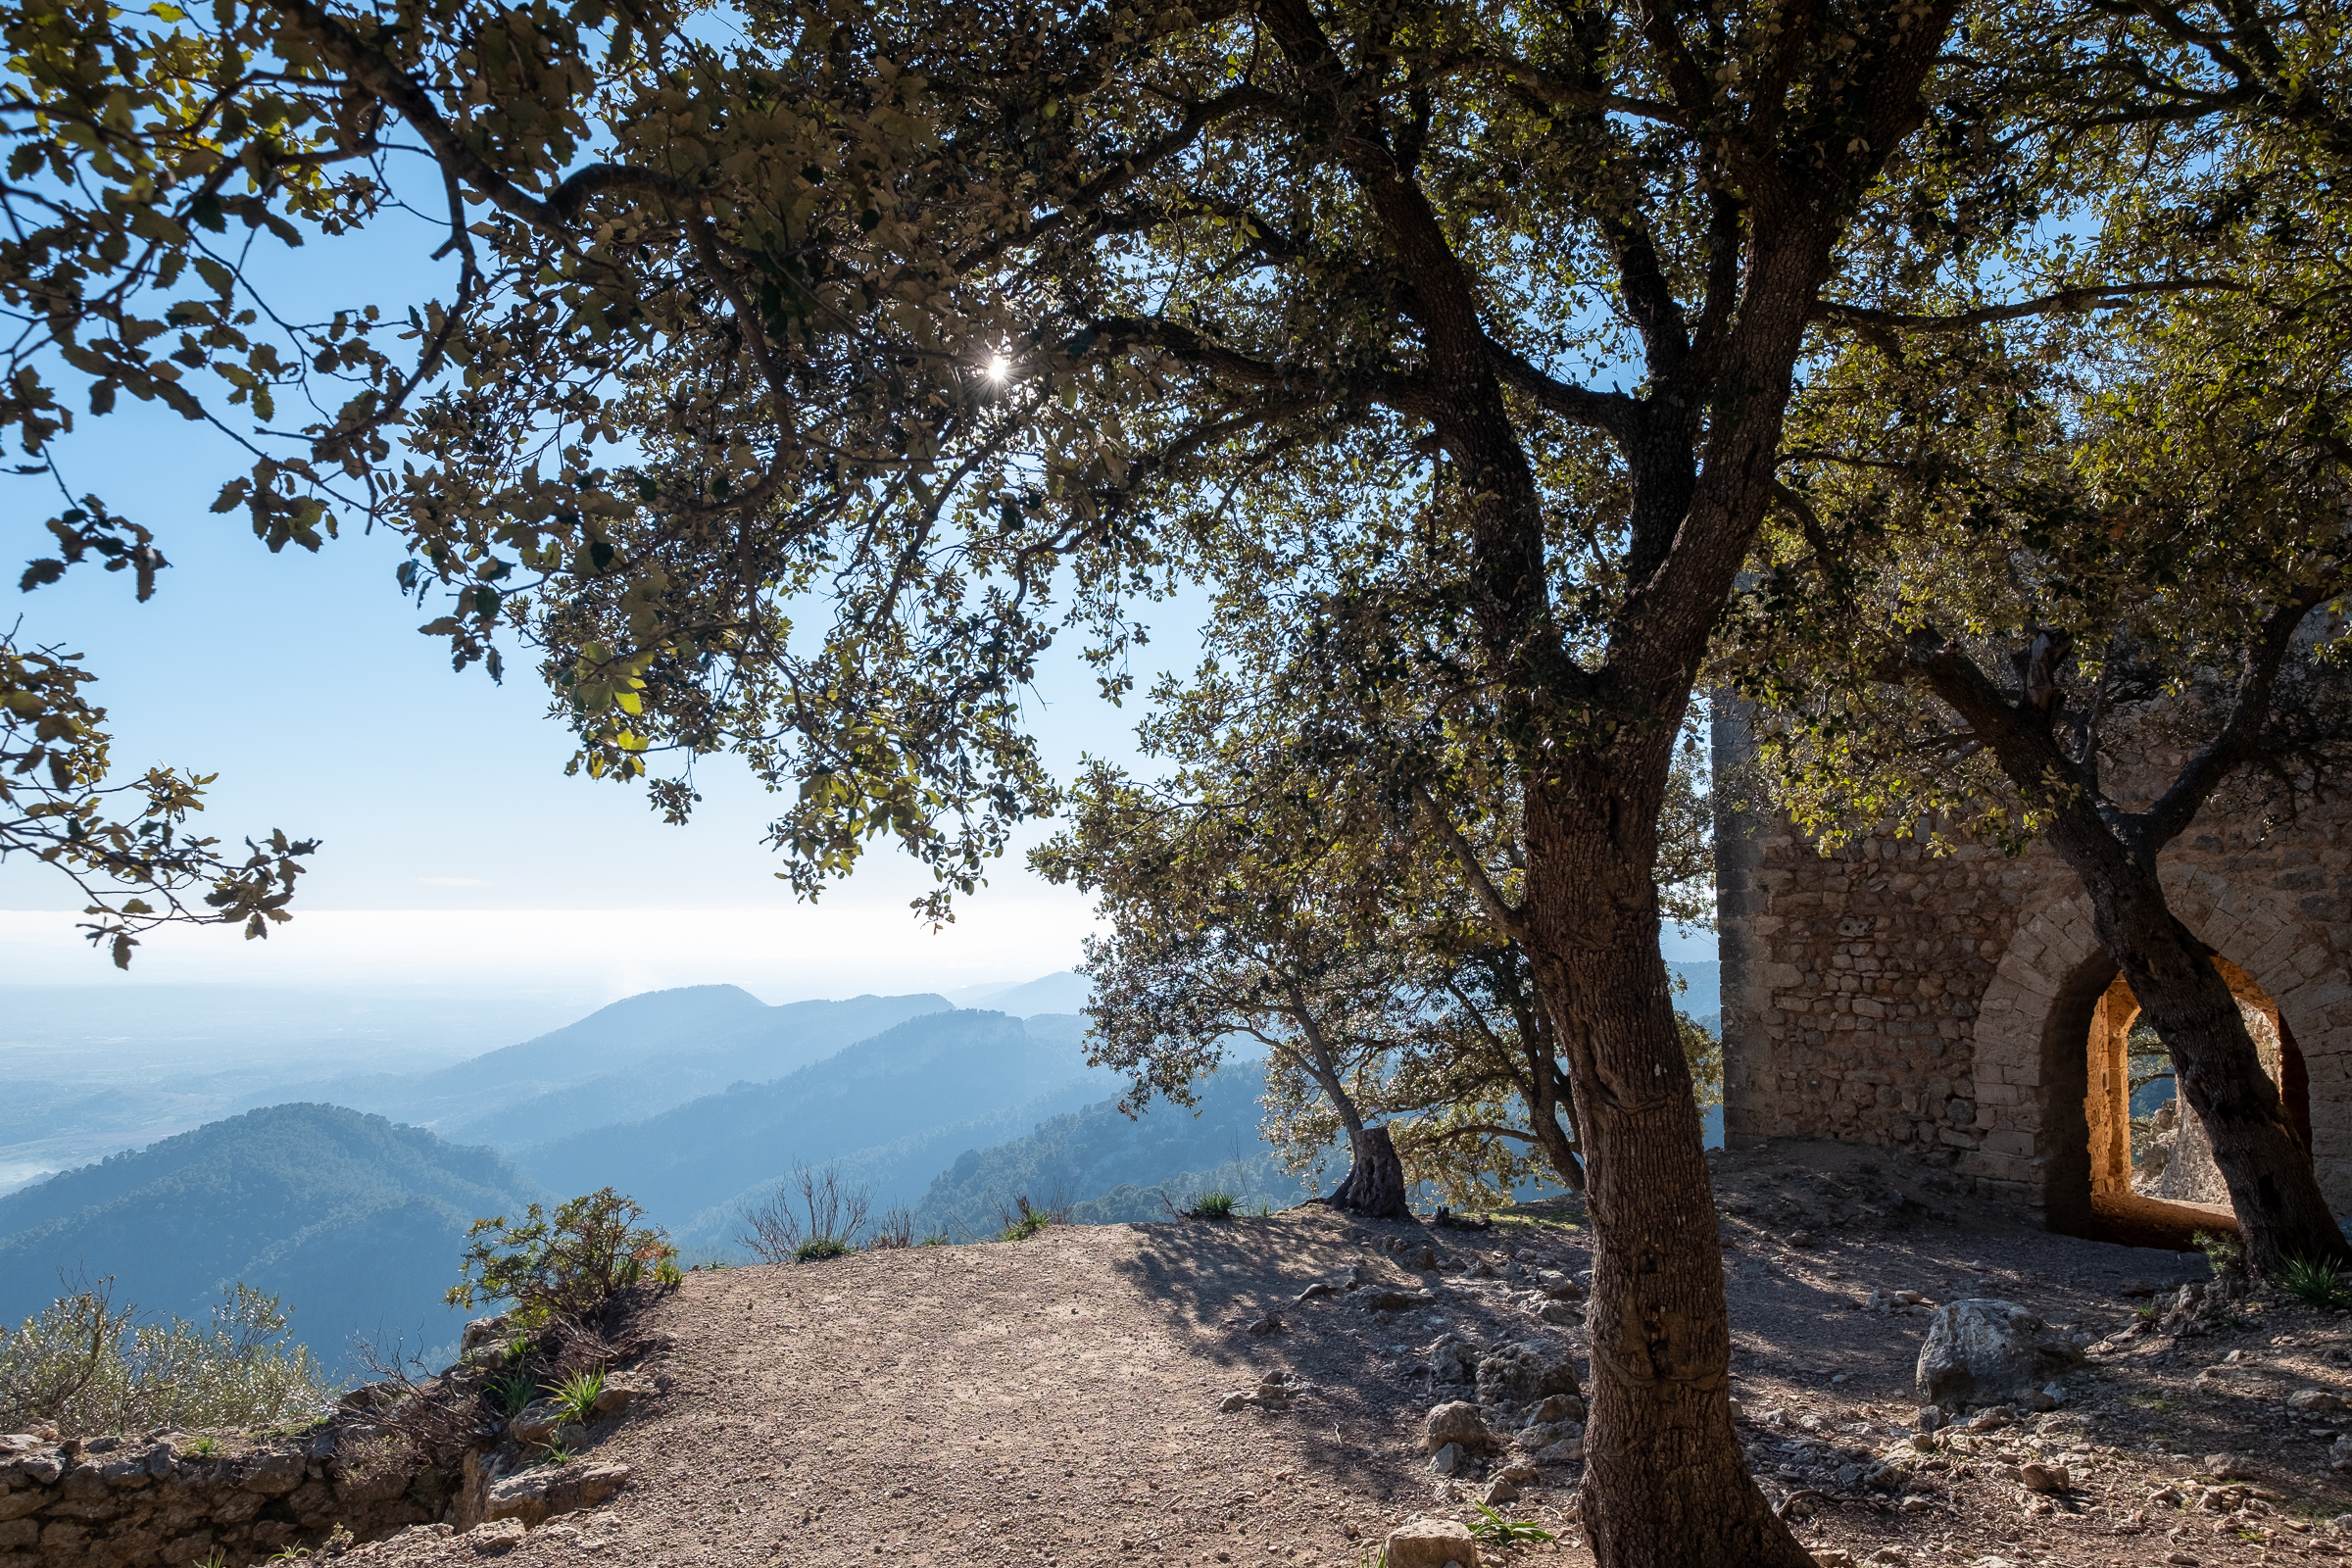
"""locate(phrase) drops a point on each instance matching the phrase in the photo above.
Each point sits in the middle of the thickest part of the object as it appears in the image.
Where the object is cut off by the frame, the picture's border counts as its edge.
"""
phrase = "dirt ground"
(1056, 1401)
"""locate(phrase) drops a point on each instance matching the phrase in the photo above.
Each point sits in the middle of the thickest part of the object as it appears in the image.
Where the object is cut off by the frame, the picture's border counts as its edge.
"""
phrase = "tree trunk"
(1660, 1336)
(1375, 1184)
(2281, 1214)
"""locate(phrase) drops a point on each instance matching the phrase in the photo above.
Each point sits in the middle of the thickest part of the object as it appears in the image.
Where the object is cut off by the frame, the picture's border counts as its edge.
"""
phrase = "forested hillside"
(1081, 1158)
(355, 1223)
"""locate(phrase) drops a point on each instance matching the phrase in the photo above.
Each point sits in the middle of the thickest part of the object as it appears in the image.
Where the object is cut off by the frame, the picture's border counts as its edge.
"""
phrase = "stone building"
(1957, 1007)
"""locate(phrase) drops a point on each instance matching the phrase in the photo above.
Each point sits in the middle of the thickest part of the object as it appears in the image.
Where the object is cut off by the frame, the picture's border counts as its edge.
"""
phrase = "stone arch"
(2031, 1064)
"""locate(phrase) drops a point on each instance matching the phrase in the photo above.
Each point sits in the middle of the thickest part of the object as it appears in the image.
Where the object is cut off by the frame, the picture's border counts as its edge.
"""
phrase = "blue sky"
(455, 852)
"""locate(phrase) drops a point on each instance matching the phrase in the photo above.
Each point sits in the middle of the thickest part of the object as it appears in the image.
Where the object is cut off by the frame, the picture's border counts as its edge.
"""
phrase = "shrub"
(91, 1369)
(564, 1265)
(779, 1230)
(894, 1230)
(1212, 1204)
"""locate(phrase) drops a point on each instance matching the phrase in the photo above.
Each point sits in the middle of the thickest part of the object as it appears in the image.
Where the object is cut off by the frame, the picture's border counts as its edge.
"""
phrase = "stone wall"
(177, 1498)
(1944, 1005)
(164, 1499)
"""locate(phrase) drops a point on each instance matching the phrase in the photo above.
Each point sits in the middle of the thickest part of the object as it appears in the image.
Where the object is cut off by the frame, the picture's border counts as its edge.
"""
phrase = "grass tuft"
(577, 1395)
(1493, 1530)
(2316, 1282)
(1216, 1203)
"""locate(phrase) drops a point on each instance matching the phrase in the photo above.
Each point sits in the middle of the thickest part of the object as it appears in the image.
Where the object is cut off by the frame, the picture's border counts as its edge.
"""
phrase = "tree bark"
(1660, 1388)
(1375, 1184)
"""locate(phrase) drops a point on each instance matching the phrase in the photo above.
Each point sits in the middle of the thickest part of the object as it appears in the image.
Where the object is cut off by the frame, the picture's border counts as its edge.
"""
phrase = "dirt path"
(1056, 1401)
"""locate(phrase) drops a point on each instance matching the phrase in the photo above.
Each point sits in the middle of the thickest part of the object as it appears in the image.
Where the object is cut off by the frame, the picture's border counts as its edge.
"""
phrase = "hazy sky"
(455, 852)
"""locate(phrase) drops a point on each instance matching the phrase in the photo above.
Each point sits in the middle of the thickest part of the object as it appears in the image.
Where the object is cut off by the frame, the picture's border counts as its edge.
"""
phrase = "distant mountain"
(1702, 985)
(1064, 993)
(623, 1063)
(883, 1104)
(1112, 1167)
(356, 1223)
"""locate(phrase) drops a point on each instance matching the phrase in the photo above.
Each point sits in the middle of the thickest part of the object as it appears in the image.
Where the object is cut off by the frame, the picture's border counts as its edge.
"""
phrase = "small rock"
(617, 1393)
(2314, 1402)
(1930, 1417)
(1232, 1402)
(1833, 1557)
(496, 1535)
(2037, 1399)
(1556, 1408)
(1499, 1490)
(536, 1422)
(1568, 1450)
(2230, 1467)
(1271, 1323)
(1799, 1238)
(1479, 1270)
(1457, 1421)
(1426, 1260)
(1991, 1419)
(1431, 1544)
(1448, 1459)
(2042, 1478)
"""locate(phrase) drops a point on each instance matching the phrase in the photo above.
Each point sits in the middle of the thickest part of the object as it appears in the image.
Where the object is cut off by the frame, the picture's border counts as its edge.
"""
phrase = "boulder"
(1456, 1421)
(2314, 1402)
(1978, 1349)
(1526, 1372)
(537, 1494)
(1430, 1544)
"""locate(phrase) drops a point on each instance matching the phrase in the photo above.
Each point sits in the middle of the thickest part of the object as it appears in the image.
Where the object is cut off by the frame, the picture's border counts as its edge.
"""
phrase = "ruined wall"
(1944, 1005)
(161, 1500)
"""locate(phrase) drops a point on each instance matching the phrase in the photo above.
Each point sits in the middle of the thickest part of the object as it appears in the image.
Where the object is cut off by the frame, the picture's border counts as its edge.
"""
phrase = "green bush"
(564, 1265)
(92, 1370)
(818, 1247)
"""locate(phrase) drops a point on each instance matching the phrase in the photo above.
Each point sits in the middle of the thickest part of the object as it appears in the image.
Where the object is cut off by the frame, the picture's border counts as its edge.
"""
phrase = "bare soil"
(1055, 1401)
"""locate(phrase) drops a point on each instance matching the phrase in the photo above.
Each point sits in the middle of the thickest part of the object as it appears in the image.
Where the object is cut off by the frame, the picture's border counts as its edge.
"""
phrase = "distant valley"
(349, 1191)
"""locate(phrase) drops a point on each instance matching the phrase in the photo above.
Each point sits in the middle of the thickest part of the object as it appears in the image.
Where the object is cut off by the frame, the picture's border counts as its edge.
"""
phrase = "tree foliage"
(124, 846)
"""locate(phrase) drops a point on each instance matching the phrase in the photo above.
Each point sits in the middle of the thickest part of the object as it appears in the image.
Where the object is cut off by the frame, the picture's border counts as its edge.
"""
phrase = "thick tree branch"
(2064, 302)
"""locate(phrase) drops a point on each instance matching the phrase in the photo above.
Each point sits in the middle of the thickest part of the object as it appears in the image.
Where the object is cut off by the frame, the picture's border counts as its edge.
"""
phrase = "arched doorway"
(2151, 1166)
